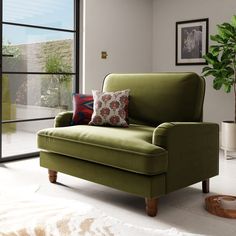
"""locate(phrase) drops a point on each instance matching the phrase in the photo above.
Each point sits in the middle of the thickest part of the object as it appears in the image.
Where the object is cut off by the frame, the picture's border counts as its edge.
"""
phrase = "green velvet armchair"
(165, 148)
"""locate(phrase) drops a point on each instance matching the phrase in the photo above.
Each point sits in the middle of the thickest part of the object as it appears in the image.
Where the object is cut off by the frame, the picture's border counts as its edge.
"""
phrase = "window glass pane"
(31, 49)
(27, 49)
(49, 13)
(20, 138)
(35, 96)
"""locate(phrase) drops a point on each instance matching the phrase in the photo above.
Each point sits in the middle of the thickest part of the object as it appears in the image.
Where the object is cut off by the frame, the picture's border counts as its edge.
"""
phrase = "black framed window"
(39, 69)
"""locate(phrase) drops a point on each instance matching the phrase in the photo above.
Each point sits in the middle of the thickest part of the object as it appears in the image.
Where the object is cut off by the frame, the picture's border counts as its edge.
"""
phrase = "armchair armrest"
(63, 119)
(193, 151)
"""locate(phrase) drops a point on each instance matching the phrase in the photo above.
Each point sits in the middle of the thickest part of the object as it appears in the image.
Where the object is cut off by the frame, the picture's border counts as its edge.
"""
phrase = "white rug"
(42, 216)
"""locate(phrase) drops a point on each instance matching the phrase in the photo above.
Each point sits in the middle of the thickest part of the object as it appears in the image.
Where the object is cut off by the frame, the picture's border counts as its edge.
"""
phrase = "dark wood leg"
(206, 186)
(52, 176)
(151, 206)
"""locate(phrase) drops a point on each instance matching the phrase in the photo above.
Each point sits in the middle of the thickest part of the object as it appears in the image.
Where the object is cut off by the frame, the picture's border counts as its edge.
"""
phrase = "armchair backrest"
(160, 97)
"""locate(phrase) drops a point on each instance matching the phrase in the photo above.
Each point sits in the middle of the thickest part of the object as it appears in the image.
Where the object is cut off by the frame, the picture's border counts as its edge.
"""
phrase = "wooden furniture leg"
(151, 206)
(206, 186)
(52, 176)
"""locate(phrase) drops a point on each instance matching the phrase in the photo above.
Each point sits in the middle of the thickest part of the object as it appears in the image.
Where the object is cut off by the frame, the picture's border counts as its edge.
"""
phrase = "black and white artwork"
(191, 42)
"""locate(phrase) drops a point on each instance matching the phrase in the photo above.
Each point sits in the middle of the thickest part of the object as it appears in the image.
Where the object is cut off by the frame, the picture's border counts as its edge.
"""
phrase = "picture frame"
(191, 41)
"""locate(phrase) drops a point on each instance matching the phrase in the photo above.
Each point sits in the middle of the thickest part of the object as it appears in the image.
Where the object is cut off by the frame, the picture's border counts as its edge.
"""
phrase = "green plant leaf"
(222, 57)
(217, 38)
(226, 73)
(230, 72)
(225, 62)
(228, 26)
(217, 84)
(206, 68)
(233, 21)
(224, 34)
(226, 30)
(210, 72)
(215, 50)
(211, 59)
(227, 88)
(227, 53)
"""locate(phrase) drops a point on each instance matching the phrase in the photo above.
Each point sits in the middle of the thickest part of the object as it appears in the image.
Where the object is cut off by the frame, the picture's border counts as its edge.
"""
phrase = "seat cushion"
(128, 149)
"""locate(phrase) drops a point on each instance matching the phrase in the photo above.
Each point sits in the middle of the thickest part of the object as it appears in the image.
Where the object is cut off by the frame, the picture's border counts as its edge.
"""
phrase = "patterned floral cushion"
(110, 108)
(83, 109)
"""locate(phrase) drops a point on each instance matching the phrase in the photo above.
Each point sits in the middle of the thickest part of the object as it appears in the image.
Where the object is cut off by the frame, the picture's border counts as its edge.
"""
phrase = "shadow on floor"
(3, 166)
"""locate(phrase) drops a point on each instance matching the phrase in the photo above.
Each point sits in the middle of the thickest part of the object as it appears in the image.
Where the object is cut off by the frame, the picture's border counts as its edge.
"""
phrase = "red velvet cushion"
(83, 109)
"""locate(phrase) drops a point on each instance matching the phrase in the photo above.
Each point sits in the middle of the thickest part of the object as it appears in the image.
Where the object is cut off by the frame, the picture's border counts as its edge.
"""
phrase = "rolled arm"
(63, 119)
(187, 133)
(193, 151)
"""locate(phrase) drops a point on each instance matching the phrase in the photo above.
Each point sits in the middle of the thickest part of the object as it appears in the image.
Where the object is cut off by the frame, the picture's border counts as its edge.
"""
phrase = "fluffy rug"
(41, 216)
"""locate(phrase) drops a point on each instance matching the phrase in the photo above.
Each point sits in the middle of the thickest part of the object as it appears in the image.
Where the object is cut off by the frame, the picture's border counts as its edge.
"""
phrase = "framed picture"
(191, 42)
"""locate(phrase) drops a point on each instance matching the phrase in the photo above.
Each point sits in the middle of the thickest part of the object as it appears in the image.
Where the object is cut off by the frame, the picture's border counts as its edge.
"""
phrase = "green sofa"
(165, 148)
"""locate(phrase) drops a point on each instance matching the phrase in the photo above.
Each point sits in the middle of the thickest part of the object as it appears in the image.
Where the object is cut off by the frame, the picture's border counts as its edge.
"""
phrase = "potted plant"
(221, 60)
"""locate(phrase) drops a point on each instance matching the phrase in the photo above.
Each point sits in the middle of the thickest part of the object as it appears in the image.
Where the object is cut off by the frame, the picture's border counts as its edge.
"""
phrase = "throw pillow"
(83, 109)
(110, 108)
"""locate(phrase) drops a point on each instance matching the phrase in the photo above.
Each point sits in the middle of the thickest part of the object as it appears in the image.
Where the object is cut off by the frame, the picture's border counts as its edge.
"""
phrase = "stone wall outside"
(28, 89)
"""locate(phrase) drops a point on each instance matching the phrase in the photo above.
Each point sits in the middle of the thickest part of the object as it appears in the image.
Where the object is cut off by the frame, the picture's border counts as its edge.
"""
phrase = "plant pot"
(228, 137)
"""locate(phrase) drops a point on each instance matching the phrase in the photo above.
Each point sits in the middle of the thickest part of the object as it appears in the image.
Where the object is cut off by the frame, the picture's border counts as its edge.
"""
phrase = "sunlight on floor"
(16, 143)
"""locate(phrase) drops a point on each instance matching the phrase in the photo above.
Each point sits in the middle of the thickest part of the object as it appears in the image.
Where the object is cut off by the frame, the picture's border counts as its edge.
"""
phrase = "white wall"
(218, 105)
(139, 36)
(124, 29)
